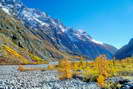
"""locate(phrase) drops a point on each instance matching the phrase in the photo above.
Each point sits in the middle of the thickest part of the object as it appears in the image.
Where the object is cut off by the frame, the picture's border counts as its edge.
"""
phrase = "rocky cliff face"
(53, 32)
(125, 51)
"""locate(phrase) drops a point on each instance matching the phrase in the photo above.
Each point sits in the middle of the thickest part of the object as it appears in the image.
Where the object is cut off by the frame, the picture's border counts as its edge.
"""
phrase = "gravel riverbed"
(10, 78)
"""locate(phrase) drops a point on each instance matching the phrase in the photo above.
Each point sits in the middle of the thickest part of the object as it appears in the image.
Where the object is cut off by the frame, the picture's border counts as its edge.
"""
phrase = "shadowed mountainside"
(125, 51)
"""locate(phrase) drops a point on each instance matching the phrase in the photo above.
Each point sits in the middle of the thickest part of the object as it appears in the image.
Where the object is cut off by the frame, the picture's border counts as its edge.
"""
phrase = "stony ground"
(10, 78)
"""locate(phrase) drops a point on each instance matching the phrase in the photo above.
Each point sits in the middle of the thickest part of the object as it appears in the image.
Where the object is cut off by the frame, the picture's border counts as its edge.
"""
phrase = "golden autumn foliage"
(16, 54)
(22, 69)
(101, 80)
(37, 60)
(102, 66)
(51, 67)
(11, 56)
(100, 69)
(65, 69)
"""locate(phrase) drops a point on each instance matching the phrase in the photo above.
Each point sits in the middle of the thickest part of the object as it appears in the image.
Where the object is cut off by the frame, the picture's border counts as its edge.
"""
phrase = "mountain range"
(31, 31)
(125, 51)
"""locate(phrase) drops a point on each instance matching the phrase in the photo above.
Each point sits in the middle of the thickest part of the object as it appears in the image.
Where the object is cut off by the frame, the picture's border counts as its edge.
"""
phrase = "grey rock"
(38, 80)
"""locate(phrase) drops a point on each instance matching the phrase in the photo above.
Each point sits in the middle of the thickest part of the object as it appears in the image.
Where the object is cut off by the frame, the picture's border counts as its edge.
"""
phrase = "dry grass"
(22, 69)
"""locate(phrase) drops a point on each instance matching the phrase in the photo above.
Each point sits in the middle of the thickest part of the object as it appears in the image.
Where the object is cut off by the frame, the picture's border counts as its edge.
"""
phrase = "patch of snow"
(53, 22)
(36, 15)
(97, 42)
(88, 37)
(71, 38)
(26, 13)
(80, 31)
(33, 17)
(6, 10)
(45, 14)
(19, 5)
(63, 29)
(0, 5)
(78, 35)
(41, 22)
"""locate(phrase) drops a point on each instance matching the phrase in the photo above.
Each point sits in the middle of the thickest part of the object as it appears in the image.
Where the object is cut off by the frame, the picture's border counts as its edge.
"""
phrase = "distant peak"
(131, 42)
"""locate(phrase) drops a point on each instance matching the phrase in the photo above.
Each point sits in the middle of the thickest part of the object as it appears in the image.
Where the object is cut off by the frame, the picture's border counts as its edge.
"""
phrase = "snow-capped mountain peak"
(68, 39)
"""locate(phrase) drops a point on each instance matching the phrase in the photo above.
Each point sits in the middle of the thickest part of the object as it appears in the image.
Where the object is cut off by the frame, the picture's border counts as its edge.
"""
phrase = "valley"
(38, 51)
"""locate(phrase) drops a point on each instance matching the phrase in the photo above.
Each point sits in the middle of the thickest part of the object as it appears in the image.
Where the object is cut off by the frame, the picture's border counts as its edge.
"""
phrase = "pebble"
(10, 78)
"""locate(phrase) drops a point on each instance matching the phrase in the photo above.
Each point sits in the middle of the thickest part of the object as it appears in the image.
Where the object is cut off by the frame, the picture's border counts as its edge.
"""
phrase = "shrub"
(98, 70)
(15, 54)
(102, 66)
(21, 68)
(65, 69)
(37, 60)
(51, 67)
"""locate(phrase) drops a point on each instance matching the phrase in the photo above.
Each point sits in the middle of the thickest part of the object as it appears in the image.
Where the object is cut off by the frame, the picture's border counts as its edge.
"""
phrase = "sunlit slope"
(19, 45)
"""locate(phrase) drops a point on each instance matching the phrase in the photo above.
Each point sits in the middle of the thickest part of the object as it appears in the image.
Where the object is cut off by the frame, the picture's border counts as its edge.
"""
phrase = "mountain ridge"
(52, 30)
(125, 51)
(18, 45)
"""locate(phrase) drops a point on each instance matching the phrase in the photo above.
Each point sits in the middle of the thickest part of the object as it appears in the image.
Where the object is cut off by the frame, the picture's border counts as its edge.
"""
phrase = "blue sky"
(109, 21)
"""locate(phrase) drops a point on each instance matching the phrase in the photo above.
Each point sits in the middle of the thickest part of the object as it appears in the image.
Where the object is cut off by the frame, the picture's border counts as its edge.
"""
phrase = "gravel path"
(10, 78)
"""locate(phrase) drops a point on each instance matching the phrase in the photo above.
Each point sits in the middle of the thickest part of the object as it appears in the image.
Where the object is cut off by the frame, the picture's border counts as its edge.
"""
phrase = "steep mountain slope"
(125, 51)
(19, 45)
(51, 30)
